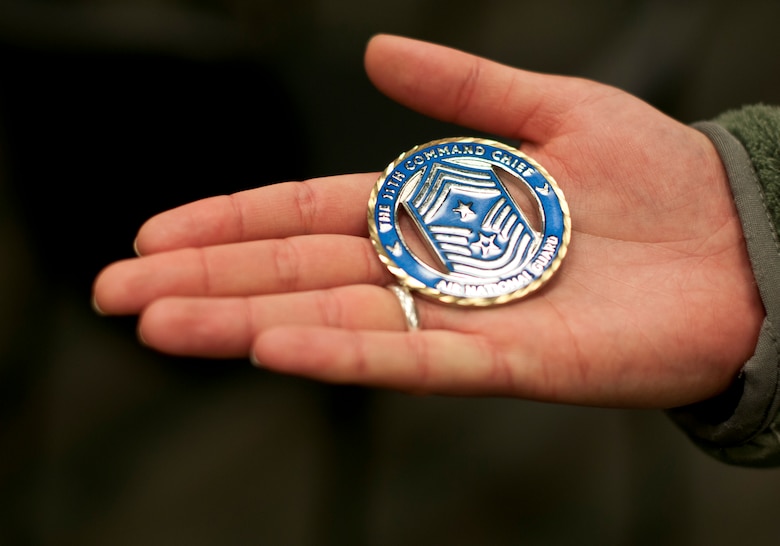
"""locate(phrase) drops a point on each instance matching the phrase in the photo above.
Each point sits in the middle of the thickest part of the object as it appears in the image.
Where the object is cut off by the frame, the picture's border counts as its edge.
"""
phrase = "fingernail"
(135, 247)
(141, 338)
(96, 307)
(253, 360)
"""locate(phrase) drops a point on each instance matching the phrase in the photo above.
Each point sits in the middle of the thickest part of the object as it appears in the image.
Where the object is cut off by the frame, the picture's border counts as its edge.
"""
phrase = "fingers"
(327, 205)
(461, 88)
(350, 334)
(431, 361)
(226, 327)
(241, 269)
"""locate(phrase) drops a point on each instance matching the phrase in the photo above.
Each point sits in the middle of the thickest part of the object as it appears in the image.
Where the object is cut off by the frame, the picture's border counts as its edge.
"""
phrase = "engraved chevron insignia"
(470, 220)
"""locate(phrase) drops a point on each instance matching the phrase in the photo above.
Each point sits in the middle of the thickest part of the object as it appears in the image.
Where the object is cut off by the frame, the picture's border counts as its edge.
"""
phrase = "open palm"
(654, 306)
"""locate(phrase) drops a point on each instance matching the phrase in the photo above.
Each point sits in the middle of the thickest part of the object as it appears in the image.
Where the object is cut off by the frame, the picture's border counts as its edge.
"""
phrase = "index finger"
(325, 205)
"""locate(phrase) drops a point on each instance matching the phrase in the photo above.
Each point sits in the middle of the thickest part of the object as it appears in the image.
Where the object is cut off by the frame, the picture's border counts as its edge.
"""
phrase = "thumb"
(460, 88)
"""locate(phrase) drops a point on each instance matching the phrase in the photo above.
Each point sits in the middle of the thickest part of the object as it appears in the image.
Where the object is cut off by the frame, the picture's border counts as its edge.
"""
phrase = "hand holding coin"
(654, 304)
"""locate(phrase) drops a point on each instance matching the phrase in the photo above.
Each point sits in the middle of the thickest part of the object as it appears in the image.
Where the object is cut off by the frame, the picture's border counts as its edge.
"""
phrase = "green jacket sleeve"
(742, 426)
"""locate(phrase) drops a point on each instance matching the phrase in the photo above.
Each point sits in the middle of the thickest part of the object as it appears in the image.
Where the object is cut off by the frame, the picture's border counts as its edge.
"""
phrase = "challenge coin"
(469, 221)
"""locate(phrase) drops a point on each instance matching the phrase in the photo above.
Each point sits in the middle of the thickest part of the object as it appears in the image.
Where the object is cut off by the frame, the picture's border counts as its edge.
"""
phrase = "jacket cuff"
(741, 426)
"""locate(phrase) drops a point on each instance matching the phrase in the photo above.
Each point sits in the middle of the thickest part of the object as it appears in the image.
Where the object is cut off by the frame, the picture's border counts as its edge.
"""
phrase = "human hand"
(654, 306)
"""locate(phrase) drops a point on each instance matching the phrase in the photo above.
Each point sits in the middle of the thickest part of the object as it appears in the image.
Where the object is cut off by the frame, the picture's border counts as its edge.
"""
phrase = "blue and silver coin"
(469, 221)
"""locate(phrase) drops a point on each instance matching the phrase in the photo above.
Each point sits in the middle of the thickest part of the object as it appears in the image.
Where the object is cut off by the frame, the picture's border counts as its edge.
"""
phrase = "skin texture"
(654, 306)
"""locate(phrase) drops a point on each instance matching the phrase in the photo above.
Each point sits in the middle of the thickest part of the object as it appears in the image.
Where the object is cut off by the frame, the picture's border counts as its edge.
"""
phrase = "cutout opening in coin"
(522, 195)
(413, 239)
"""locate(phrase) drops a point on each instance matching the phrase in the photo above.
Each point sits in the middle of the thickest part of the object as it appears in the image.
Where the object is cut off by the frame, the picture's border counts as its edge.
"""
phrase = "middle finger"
(239, 269)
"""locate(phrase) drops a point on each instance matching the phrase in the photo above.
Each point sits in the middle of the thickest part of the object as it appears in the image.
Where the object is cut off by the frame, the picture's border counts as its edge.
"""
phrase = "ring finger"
(239, 269)
(226, 327)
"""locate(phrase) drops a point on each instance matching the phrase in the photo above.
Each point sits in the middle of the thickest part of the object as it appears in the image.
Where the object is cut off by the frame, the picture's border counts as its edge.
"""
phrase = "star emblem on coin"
(464, 209)
(485, 246)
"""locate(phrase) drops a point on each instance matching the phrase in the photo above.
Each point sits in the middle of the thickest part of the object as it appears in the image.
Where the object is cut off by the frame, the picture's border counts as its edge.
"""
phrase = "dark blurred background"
(114, 110)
